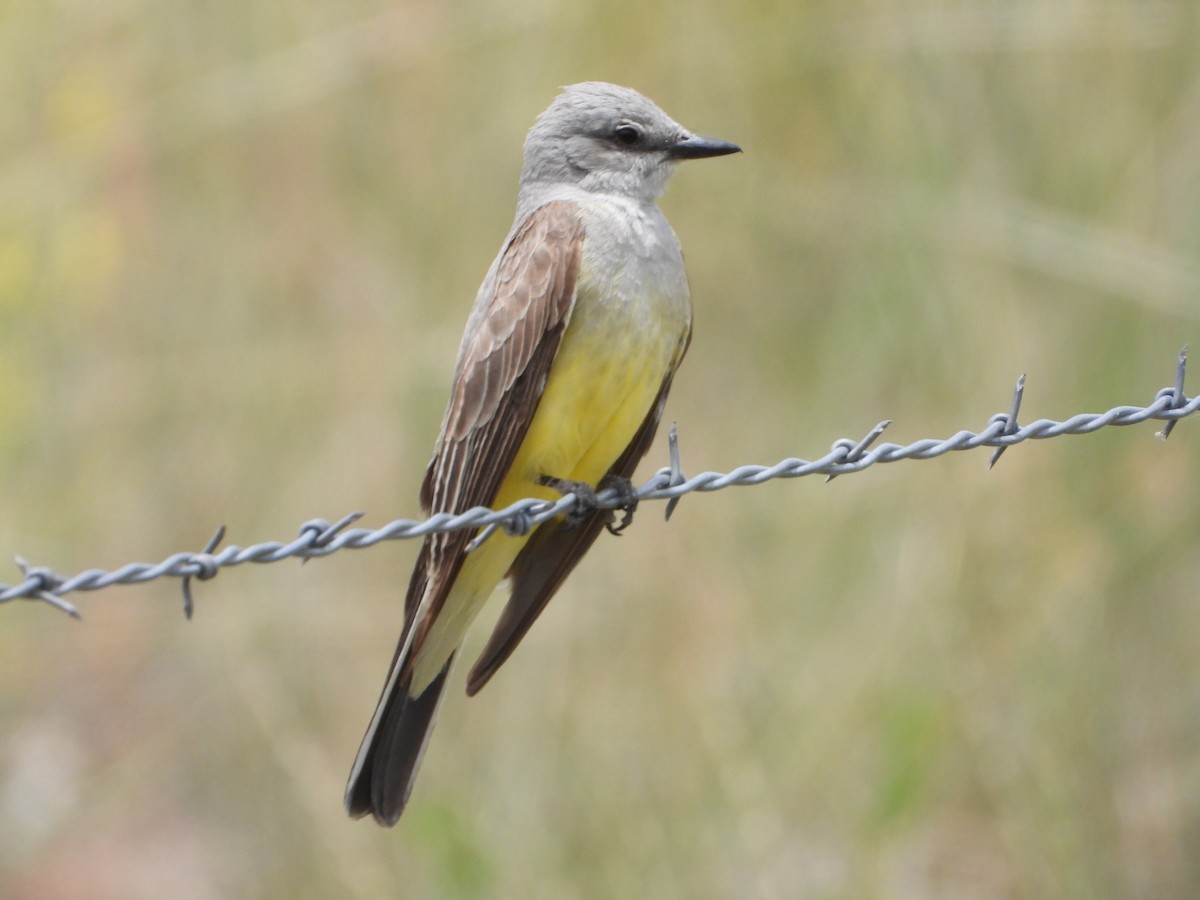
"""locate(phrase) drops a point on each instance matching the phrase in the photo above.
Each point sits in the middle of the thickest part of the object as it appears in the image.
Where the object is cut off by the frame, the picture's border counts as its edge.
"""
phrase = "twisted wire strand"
(319, 537)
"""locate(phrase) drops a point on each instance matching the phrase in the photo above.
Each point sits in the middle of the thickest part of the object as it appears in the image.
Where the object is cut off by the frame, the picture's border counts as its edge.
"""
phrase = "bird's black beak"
(692, 146)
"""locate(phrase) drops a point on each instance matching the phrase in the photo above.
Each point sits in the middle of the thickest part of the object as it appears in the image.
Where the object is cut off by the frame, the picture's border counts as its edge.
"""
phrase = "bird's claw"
(586, 501)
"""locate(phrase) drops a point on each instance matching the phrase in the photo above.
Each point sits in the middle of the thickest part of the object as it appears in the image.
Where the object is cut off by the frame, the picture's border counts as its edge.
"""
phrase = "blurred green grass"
(237, 246)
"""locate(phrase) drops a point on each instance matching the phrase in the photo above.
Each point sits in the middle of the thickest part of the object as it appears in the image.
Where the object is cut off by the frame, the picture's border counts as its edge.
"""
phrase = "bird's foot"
(586, 502)
(585, 498)
(628, 495)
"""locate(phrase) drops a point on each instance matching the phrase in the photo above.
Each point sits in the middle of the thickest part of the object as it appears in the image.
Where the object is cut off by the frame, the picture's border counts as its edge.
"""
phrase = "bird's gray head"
(610, 139)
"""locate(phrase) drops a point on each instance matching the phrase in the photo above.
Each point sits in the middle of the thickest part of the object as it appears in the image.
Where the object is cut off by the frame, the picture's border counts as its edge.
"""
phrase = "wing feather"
(497, 385)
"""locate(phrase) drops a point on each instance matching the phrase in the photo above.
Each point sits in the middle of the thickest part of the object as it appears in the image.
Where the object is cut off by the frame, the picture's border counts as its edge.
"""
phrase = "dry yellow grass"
(237, 245)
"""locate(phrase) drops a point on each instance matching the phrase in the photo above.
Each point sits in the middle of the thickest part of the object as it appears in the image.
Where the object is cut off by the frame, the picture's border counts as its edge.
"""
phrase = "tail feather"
(391, 751)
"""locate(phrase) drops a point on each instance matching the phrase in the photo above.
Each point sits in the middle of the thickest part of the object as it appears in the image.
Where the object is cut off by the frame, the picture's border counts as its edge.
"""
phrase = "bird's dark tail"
(391, 751)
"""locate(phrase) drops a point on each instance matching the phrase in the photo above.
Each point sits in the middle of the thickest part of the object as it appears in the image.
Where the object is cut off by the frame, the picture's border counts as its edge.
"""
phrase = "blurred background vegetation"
(238, 242)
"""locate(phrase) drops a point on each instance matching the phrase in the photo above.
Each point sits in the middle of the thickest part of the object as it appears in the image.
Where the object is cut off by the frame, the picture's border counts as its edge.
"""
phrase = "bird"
(560, 382)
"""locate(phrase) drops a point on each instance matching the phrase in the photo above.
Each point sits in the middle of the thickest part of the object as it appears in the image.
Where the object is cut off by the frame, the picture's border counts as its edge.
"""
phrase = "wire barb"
(1179, 396)
(206, 567)
(1010, 421)
(515, 522)
(854, 451)
(318, 538)
(676, 477)
(41, 584)
(320, 533)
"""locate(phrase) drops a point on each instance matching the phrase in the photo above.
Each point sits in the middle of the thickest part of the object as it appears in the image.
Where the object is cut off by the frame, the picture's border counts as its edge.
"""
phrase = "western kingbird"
(562, 375)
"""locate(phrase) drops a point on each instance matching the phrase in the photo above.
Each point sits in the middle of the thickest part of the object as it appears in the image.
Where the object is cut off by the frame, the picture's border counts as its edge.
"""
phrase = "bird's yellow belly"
(606, 375)
(601, 388)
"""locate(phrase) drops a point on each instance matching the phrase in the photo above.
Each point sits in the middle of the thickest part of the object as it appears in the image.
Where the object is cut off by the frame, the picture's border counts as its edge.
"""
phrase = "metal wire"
(318, 537)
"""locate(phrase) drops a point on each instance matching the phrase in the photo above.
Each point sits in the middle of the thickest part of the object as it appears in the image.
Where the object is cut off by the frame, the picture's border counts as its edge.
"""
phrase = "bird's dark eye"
(627, 134)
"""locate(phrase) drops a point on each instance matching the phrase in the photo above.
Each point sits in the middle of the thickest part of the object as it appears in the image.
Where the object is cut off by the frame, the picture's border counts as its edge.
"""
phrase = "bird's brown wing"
(501, 373)
(553, 551)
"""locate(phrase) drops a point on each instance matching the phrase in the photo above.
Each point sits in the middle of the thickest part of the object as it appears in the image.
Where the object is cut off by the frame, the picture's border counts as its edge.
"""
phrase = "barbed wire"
(319, 537)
